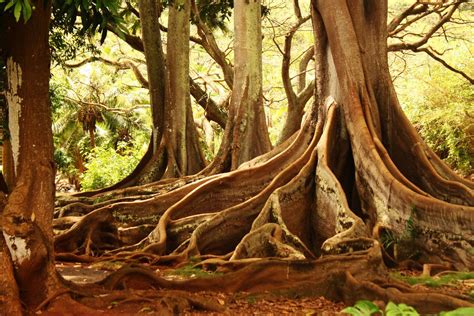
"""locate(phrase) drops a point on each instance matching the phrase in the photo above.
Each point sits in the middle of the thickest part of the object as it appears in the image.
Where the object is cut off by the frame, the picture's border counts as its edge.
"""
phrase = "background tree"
(246, 134)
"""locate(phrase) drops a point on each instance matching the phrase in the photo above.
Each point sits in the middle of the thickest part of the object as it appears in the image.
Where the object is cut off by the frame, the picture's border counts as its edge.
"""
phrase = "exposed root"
(52, 297)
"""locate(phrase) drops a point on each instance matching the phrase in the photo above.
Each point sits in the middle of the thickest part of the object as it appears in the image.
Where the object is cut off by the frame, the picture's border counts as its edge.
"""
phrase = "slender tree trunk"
(250, 136)
(246, 134)
(92, 137)
(182, 135)
(27, 217)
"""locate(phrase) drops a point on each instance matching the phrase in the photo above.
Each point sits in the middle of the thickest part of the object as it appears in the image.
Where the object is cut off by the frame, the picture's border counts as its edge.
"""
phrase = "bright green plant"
(448, 278)
(463, 311)
(105, 167)
(393, 309)
(362, 308)
(367, 308)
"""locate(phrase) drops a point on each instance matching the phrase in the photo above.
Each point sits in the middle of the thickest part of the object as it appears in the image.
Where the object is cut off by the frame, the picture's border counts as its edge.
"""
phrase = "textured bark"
(395, 180)
(246, 134)
(27, 217)
(182, 134)
(10, 302)
(315, 212)
(174, 146)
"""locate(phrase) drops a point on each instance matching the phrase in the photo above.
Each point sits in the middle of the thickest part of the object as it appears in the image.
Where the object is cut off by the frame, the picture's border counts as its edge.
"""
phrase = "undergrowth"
(445, 279)
(367, 308)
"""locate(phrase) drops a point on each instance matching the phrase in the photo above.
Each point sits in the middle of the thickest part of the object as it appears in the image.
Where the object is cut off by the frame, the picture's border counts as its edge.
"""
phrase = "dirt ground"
(153, 301)
(166, 302)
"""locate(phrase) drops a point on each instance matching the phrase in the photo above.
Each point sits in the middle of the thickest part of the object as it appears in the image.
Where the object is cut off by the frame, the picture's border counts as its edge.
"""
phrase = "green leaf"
(9, 5)
(352, 311)
(393, 309)
(362, 308)
(26, 10)
(17, 11)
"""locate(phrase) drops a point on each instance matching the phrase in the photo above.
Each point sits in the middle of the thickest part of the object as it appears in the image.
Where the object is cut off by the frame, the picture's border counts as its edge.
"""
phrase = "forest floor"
(151, 301)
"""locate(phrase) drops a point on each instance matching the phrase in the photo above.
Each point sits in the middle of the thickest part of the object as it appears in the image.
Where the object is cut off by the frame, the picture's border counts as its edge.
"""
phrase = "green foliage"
(367, 308)
(19, 8)
(439, 104)
(445, 279)
(393, 309)
(463, 311)
(105, 167)
(215, 13)
(95, 16)
(362, 308)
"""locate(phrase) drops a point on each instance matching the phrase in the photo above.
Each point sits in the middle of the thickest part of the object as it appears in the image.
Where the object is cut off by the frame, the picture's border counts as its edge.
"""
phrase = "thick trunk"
(400, 190)
(335, 193)
(27, 217)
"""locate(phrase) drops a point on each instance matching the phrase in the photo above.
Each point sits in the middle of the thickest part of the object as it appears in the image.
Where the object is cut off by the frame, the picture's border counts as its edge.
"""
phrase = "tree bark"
(185, 156)
(27, 217)
(246, 134)
(355, 175)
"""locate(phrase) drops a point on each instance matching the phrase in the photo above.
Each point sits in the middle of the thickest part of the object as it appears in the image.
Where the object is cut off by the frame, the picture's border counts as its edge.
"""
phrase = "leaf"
(9, 5)
(367, 306)
(362, 308)
(393, 309)
(17, 11)
(26, 10)
(352, 311)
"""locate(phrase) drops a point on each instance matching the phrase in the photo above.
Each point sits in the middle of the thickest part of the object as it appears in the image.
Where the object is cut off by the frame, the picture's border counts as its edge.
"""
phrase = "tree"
(246, 134)
(174, 147)
(27, 216)
(355, 188)
(412, 30)
(311, 214)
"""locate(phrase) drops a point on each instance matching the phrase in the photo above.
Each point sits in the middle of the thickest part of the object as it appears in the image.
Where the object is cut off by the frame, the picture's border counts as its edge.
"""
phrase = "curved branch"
(430, 53)
(285, 67)
(212, 109)
(209, 43)
(414, 45)
(307, 57)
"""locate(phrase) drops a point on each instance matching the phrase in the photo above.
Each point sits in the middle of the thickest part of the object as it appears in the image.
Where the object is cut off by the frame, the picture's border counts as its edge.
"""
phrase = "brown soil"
(156, 302)
(150, 301)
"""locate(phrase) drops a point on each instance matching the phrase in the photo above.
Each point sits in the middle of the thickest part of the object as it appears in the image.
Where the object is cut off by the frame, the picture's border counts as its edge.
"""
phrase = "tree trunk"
(354, 189)
(27, 217)
(184, 153)
(403, 190)
(246, 135)
(174, 146)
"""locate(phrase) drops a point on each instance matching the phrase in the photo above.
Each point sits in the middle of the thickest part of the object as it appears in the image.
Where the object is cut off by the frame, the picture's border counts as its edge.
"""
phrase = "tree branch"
(444, 63)
(414, 45)
(213, 110)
